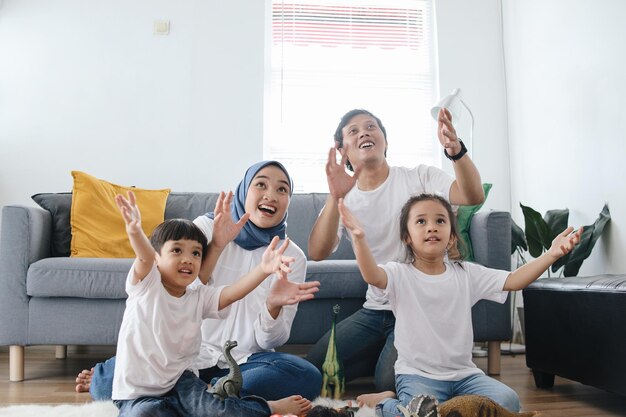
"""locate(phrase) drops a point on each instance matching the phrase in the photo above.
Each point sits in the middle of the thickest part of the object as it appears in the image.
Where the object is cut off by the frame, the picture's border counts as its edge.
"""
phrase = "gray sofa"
(48, 298)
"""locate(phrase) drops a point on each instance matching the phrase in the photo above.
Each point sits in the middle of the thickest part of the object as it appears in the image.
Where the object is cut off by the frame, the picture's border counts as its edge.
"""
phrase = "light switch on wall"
(161, 27)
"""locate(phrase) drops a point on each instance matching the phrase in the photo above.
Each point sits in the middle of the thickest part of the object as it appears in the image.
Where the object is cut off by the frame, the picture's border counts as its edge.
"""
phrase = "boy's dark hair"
(344, 121)
(177, 229)
(453, 251)
(323, 411)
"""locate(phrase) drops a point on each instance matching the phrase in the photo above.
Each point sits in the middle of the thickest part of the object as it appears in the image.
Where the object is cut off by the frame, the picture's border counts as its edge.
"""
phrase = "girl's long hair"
(453, 251)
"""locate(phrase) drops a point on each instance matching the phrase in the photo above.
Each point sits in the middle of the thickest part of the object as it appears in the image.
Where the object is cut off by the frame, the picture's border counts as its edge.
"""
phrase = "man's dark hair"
(177, 229)
(344, 121)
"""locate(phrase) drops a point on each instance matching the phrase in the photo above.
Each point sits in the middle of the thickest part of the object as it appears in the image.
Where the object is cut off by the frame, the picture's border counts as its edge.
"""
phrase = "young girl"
(431, 296)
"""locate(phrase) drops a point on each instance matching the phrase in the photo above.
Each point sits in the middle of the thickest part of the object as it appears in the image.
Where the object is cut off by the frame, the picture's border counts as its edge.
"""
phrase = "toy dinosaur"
(333, 381)
(228, 385)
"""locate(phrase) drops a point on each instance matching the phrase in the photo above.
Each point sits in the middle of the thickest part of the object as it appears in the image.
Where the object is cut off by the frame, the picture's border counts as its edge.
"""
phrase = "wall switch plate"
(161, 27)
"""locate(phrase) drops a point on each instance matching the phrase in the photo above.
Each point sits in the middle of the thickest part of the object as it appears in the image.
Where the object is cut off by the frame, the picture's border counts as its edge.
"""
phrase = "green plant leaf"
(556, 221)
(537, 231)
(518, 239)
(590, 235)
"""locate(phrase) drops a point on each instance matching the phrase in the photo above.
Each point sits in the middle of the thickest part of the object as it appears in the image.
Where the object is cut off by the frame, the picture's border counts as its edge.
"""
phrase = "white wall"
(88, 86)
(565, 64)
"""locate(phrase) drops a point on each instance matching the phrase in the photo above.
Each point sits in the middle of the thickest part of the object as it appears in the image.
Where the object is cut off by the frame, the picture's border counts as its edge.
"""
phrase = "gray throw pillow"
(59, 205)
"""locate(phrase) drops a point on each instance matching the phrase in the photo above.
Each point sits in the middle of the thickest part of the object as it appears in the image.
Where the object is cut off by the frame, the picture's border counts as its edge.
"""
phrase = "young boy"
(160, 334)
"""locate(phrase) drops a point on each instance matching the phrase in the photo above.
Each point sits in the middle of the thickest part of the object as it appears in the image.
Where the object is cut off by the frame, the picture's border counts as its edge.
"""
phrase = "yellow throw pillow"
(98, 230)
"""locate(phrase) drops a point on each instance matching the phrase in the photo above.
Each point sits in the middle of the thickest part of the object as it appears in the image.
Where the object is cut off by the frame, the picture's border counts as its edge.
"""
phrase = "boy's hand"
(350, 221)
(339, 181)
(565, 242)
(447, 133)
(130, 212)
(284, 292)
(273, 259)
(224, 227)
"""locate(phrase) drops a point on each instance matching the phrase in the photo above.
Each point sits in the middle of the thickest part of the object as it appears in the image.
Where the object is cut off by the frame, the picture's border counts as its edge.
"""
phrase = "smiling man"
(375, 194)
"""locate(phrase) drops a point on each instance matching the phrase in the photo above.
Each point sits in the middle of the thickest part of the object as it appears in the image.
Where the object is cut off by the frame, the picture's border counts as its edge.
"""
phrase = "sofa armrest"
(24, 238)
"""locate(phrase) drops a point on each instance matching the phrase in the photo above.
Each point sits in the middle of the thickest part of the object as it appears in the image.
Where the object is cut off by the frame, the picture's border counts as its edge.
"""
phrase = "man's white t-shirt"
(247, 321)
(160, 335)
(379, 212)
(434, 334)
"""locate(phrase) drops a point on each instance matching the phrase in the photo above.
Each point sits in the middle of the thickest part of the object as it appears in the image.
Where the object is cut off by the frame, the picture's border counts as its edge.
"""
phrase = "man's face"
(363, 140)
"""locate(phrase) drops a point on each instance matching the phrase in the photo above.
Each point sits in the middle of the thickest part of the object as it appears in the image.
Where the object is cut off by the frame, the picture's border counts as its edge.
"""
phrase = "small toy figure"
(228, 385)
(333, 381)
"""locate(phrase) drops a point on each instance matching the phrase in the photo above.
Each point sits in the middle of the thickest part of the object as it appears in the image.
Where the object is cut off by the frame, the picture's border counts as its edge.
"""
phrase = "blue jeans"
(408, 386)
(364, 346)
(270, 375)
(189, 398)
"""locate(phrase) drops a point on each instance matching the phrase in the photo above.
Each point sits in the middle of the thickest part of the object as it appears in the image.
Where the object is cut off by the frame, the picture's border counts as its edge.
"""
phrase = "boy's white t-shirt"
(248, 321)
(434, 334)
(160, 335)
(379, 212)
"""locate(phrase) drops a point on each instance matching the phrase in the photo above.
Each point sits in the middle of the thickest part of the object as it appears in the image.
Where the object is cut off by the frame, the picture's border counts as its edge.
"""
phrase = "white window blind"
(329, 57)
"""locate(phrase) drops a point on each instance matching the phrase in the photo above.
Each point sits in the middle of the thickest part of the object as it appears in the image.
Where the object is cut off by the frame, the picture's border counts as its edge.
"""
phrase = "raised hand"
(446, 132)
(339, 181)
(350, 221)
(224, 227)
(284, 292)
(564, 243)
(273, 259)
(130, 212)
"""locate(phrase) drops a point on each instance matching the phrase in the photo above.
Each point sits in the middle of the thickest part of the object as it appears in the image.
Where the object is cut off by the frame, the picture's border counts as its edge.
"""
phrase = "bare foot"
(370, 400)
(83, 380)
(296, 404)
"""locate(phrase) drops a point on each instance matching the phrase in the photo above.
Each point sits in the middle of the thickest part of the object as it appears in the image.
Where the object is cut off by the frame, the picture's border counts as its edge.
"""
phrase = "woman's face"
(268, 197)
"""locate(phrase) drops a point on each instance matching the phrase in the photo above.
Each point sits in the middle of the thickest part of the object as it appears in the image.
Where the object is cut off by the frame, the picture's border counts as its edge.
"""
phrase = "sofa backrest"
(303, 211)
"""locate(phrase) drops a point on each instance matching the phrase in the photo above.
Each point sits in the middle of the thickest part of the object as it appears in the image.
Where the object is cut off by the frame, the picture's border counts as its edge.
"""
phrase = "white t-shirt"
(379, 212)
(160, 335)
(433, 333)
(247, 321)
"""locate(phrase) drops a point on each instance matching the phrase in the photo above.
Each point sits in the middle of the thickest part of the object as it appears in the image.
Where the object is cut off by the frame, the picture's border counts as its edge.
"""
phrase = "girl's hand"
(447, 133)
(284, 292)
(565, 242)
(130, 212)
(350, 221)
(339, 181)
(273, 259)
(225, 230)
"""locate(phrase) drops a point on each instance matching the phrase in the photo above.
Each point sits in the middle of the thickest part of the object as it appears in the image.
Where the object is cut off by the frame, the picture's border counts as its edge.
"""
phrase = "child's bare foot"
(83, 380)
(296, 404)
(370, 400)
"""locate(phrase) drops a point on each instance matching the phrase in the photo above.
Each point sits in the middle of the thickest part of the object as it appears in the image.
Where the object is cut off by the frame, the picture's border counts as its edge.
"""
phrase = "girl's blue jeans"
(189, 397)
(408, 386)
(270, 375)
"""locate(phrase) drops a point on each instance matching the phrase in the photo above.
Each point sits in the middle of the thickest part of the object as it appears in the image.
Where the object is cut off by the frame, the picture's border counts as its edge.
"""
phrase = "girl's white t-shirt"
(160, 335)
(379, 212)
(434, 334)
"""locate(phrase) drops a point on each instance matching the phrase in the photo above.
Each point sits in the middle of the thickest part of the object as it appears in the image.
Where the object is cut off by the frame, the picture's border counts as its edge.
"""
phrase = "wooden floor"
(50, 380)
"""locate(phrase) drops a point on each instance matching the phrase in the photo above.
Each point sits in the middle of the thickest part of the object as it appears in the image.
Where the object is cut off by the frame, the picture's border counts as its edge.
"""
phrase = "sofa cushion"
(98, 230)
(58, 204)
(338, 279)
(78, 277)
(189, 205)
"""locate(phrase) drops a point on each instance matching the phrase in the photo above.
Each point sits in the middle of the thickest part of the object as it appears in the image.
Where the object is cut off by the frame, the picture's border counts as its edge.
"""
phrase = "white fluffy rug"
(108, 409)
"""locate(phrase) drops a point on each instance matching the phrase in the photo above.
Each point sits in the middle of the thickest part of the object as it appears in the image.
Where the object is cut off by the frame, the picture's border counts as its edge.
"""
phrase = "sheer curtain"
(328, 57)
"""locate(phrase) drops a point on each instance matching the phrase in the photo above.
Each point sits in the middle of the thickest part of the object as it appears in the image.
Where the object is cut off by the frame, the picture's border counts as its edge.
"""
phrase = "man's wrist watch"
(459, 155)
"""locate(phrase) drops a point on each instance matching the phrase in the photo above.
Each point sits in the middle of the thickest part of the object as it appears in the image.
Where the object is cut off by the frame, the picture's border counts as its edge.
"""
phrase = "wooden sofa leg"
(16, 363)
(61, 352)
(493, 358)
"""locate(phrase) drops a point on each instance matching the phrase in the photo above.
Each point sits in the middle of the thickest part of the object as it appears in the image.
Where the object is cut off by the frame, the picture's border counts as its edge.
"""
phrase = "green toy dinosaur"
(228, 385)
(333, 381)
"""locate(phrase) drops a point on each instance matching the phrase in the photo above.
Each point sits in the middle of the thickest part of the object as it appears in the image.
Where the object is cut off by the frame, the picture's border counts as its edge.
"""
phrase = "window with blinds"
(331, 56)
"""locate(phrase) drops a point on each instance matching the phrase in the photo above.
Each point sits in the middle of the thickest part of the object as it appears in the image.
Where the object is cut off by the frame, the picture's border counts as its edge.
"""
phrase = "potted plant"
(537, 237)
